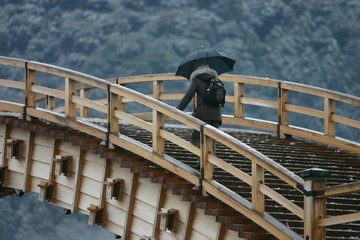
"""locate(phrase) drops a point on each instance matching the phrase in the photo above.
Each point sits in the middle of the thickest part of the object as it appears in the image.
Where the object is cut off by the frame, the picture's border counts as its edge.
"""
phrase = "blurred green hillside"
(315, 42)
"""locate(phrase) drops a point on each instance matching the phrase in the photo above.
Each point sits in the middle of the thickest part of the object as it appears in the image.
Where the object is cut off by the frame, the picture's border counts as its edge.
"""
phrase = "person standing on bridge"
(201, 67)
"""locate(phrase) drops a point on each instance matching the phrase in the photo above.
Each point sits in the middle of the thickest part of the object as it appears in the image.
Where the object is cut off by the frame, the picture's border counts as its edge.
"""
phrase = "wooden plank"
(12, 84)
(158, 143)
(283, 104)
(113, 120)
(189, 221)
(77, 181)
(250, 122)
(346, 121)
(250, 80)
(5, 133)
(85, 94)
(129, 210)
(30, 82)
(28, 160)
(158, 88)
(15, 62)
(304, 110)
(180, 142)
(160, 202)
(90, 104)
(48, 91)
(258, 178)
(239, 93)
(341, 189)
(259, 102)
(133, 120)
(329, 221)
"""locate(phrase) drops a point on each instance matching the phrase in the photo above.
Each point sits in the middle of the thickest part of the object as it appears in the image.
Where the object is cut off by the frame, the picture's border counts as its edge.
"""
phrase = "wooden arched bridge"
(124, 157)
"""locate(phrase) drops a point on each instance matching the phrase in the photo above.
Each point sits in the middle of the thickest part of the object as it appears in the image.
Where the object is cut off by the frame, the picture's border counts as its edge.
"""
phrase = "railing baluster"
(258, 178)
(84, 111)
(239, 92)
(329, 110)
(158, 88)
(283, 100)
(158, 124)
(70, 90)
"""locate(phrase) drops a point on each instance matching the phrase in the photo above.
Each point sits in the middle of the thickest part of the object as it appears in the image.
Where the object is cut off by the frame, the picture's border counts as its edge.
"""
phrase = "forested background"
(314, 42)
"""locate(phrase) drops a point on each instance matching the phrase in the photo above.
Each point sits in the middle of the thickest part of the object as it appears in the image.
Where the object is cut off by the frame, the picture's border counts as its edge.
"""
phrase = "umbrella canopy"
(216, 60)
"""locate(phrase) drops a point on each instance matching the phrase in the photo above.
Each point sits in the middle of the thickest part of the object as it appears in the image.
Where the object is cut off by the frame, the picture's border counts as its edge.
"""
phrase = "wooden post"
(239, 92)
(70, 91)
(30, 81)
(314, 208)
(114, 106)
(50, 102)
(283, 100)
(329, 110)
(258, 178)
(158, 125)
(28, 160)
(206, 150)
(158, 88)
(84, 111)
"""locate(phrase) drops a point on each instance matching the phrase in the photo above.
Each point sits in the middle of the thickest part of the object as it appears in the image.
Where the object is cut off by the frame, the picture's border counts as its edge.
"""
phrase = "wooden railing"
(76, 104)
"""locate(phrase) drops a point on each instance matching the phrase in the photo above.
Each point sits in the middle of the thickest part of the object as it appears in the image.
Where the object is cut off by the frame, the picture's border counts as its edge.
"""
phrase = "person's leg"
(195, 138)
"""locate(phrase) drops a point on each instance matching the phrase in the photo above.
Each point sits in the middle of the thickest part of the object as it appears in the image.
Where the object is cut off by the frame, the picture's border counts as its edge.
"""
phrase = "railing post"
(239, 92)
(70, 90)
(50, 102)
(283, 115)
(329, 110)
(314, 208)
(257, 197)
(84, 111)
(158, 88)
(158, 124)
(30, 80)
(114, 105)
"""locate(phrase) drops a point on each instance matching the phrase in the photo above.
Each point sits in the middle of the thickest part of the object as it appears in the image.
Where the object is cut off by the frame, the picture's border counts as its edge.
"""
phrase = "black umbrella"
(216, 60)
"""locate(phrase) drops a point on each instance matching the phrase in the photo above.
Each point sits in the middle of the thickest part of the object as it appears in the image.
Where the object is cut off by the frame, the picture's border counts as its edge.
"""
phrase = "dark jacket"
(199, 83)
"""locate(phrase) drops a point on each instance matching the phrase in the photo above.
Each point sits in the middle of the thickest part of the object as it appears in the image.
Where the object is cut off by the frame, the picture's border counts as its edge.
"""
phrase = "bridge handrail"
(114, 108)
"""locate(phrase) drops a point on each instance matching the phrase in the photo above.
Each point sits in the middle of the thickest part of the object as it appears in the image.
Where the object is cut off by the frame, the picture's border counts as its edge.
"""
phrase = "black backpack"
(215, 94)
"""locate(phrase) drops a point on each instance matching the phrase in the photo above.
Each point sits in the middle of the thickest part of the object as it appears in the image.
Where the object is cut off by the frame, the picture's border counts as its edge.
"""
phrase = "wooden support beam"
(159, 204)
(55, 146)
(77, 181)
(189, 221)
(28, 160)
(106, 172)
(130, 207)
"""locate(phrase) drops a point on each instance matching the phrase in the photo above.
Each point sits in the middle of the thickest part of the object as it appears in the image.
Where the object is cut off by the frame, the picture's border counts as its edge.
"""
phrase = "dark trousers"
(195, 137)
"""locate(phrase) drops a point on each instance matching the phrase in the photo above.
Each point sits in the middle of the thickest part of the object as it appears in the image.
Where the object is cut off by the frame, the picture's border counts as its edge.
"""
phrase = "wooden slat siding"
(160, 202)
(292, 207)
(48, 92)
(50, 103)
(15, 62)
(70, 91)
(257, 197)
(341, 190)
(28, 160)
(337, 96)
(189, 221)
(319, 137)
(239, 93)
(304, 110)
(89, 104)
(244, 207)
(130, 207)
(84, 111)
(329, 110)
(77, 180)
(30, 82)
(158, 143)
(113, 120)
(329, 221)
(12, 84)
(133, 120)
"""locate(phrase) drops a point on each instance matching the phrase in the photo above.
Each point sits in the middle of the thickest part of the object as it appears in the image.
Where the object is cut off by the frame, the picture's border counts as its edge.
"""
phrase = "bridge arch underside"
(133, 198)
(151, 203)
